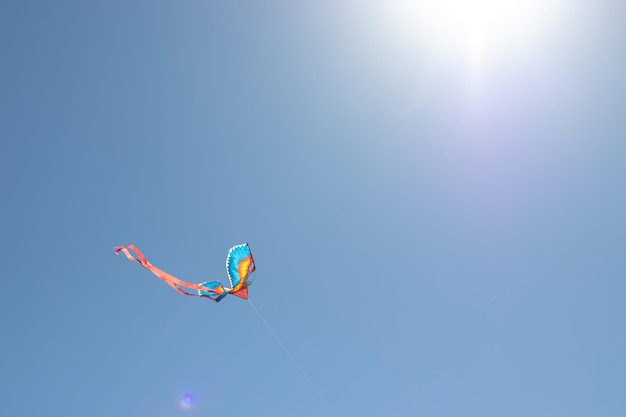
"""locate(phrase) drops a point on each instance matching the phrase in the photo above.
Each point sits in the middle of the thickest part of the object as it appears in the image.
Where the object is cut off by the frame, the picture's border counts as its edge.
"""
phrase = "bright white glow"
(475, 45)
(476, 28)
(449, 18)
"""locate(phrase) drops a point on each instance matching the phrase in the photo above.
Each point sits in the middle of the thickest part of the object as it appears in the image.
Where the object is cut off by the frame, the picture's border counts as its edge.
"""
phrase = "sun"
(450, 18)
(476, 28)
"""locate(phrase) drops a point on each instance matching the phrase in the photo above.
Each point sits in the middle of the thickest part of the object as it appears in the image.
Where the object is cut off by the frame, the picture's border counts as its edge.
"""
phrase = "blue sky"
(434, 198)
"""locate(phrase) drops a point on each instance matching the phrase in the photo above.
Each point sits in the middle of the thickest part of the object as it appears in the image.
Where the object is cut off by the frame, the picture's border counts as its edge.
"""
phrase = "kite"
(239, 266)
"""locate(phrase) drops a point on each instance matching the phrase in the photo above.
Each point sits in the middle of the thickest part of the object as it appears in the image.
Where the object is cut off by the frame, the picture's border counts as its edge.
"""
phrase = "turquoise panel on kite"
(217, 291)
(239, 264)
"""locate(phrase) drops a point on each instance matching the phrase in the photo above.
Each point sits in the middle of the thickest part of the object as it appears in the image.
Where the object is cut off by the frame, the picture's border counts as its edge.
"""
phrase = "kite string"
(293, 359)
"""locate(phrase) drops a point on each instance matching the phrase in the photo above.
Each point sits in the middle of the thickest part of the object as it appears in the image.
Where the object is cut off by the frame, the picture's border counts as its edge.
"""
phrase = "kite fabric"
(239, 266)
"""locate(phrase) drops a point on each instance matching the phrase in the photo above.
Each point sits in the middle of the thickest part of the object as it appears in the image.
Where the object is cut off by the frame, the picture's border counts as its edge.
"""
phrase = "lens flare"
(186, 401)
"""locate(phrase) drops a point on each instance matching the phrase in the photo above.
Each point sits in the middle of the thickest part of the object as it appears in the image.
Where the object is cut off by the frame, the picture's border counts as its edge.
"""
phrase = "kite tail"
(171, 280)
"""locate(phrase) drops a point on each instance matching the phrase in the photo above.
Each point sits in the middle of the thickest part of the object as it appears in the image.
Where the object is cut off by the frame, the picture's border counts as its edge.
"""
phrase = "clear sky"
(434, 194)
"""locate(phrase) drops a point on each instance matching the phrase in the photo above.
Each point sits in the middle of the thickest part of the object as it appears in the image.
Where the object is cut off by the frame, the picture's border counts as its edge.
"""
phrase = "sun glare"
(449, 18)
(475, 27)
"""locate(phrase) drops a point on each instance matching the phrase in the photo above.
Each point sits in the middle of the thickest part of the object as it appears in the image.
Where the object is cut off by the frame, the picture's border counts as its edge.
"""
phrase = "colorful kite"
(239, 266)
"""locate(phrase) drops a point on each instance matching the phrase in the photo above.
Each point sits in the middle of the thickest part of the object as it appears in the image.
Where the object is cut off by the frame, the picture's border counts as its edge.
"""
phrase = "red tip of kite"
(243, 293)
